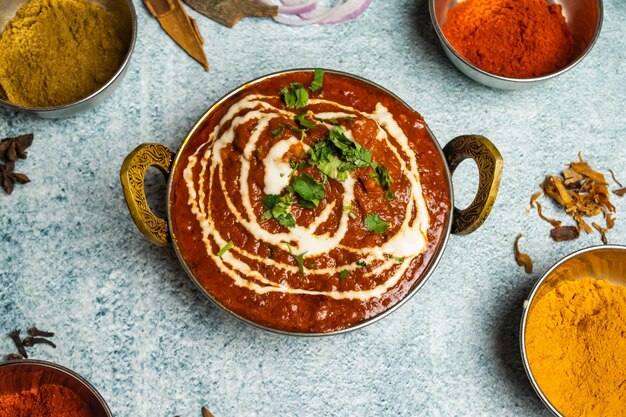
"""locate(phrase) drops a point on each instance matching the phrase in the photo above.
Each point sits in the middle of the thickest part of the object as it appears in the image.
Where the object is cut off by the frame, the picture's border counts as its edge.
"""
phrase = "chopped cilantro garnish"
(278, 208)
(397, 259)
(346, 208)
(385, 180)
(278, 130)
(352, 215)
(343, 274)
(361, 263)
(349, 118)
(301, 118)
(311, 191)
(318, 79)
(295, 96)
(375, 224)
(299, 258)
(225, 248)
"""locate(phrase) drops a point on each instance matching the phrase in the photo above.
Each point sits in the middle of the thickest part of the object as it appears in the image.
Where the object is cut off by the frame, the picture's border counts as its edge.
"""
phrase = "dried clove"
(14, 357)
(32, 341)
(15, 335)
(35, 332)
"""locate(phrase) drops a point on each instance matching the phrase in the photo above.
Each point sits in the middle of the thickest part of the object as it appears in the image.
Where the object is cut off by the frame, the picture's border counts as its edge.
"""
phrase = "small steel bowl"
(602, 262)
(125, 11)
(584, 19)
(22, 375)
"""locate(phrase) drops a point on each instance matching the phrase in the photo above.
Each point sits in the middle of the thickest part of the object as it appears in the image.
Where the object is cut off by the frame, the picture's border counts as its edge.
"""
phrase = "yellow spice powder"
(55, 52)
(576, 346)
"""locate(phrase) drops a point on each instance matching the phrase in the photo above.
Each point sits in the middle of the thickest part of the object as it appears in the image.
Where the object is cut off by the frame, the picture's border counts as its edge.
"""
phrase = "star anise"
(8, 178)
(13, 148)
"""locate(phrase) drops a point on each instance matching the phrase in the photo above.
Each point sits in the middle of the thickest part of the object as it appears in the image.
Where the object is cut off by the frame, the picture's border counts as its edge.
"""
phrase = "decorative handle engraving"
(489, 162)
(132, 175)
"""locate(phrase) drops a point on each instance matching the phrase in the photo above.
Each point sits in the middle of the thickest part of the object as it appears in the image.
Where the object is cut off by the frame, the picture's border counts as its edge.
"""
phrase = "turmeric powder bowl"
(573, 334)
(61, 57)
(34, 387)
(516, 44)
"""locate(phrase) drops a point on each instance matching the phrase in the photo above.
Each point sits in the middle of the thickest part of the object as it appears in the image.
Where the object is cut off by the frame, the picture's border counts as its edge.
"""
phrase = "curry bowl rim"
(196, 129)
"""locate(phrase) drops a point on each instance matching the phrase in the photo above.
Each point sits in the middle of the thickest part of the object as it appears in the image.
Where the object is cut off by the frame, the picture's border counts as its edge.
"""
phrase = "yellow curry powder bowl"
(573, 334)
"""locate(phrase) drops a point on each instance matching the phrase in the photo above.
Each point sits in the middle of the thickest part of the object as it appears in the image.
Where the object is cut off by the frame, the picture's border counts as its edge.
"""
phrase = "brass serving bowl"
(601, 262)
(125, 11)
(583, 17)
(155, 229)
(23, 375)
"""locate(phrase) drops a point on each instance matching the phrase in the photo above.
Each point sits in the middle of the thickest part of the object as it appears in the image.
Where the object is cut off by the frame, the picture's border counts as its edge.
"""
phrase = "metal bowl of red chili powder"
(42, 389)
(515, 44)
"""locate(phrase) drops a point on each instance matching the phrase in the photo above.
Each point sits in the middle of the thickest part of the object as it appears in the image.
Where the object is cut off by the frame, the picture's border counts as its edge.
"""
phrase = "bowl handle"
(132, 175)
(489, 163)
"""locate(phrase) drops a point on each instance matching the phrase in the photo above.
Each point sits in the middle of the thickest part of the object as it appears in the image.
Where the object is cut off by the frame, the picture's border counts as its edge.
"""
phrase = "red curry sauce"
(254, 278)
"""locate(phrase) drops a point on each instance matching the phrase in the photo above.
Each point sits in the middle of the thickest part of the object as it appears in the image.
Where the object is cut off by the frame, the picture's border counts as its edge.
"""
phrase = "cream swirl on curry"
(295, 200)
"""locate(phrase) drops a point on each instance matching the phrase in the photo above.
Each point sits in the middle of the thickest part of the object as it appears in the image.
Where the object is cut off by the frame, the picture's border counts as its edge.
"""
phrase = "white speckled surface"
(129, 319)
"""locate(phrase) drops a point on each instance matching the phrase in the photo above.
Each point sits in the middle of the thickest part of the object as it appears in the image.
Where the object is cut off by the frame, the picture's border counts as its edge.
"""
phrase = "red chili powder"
(49, 400)
(512, 38)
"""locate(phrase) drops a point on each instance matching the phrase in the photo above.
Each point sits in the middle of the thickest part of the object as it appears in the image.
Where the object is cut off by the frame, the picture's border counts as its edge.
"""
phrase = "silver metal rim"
(526, 309)
(427, 273)
(118, 73)
(66, 371)
(448, 46)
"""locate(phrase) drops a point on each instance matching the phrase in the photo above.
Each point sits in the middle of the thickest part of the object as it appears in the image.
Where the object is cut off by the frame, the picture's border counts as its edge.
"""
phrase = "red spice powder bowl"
(583, 19)
(34, 387)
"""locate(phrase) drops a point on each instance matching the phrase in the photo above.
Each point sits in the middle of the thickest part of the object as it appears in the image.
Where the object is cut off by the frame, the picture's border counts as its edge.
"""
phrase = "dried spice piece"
(180, 27)
(553, 222)
(229, 12)
(8, 178)
(583, 192)
(563, 233)
(35, 332)
(206, 412)
(13, 148)
(602, 231)
(32, 341)
(620, 193)
(619, 184)
(15, 335)
(534, 197)
(523, 259)
(14, 357)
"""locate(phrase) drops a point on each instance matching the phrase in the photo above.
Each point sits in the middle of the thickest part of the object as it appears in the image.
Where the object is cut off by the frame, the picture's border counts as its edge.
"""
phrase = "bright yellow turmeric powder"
(576, 347)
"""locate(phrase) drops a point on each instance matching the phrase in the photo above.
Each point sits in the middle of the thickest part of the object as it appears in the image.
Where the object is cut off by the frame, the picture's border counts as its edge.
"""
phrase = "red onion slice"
(350, 9)
(302, 22)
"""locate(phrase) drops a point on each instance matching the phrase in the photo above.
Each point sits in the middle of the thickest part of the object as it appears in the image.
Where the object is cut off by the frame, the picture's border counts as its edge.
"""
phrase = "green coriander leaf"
(270, 201)
(361, 263)
(311, 191)
(346, 208)
(225, 248)
(278, 130)
(301, 118)
(278, 208)
(349, 118)
(295, 96)
(352, 215)
(397, 259)
(385, 180)
(375, 224)
(298, 258)
(318, 79)
(343, 274)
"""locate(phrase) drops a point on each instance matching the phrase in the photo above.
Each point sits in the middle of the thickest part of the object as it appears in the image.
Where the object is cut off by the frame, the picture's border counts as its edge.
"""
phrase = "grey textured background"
(129, 319)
